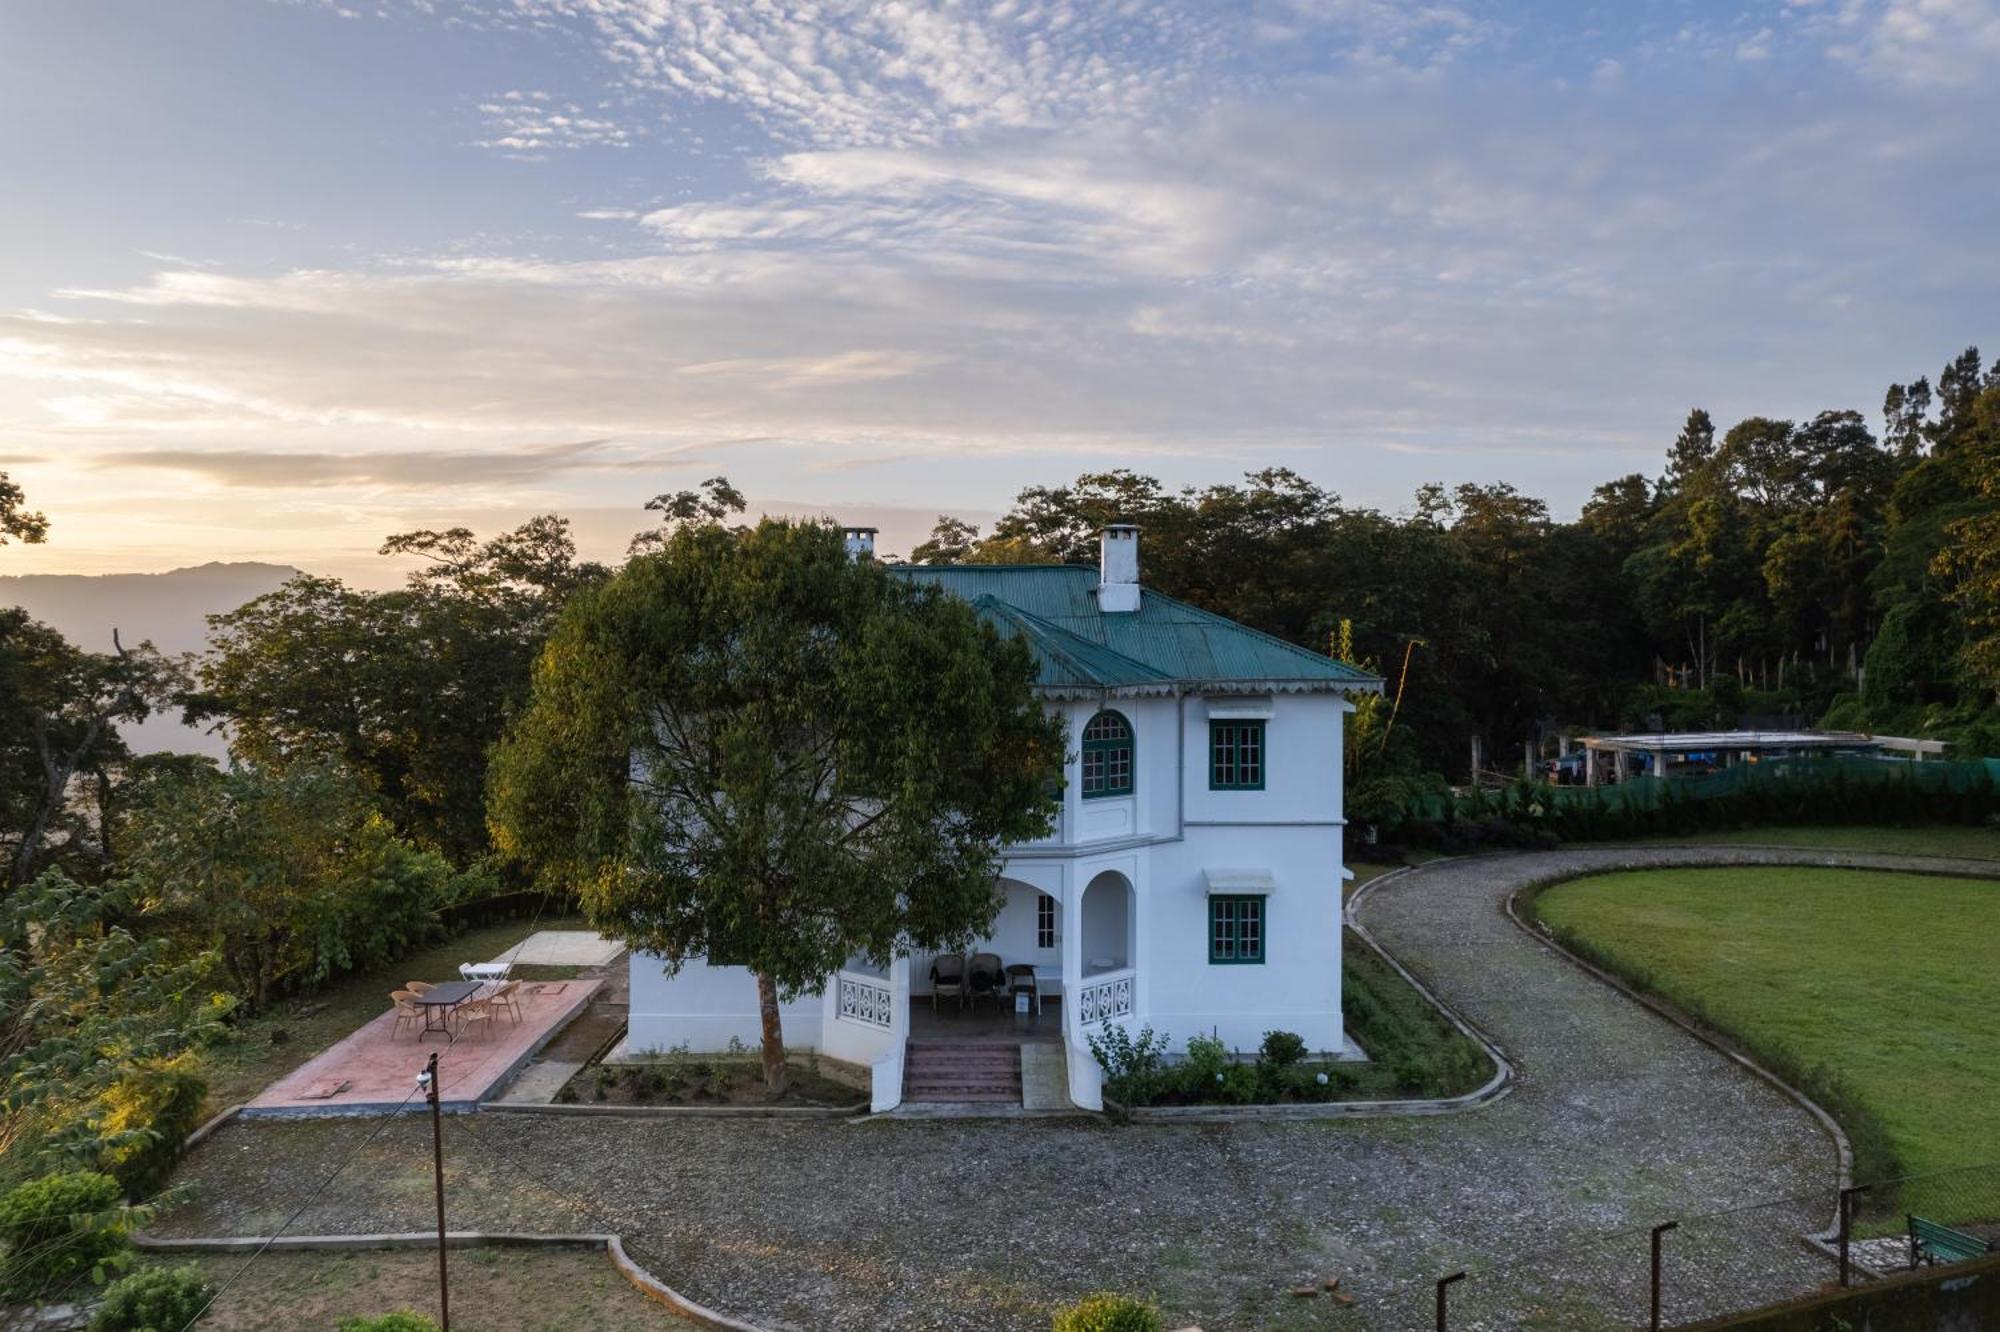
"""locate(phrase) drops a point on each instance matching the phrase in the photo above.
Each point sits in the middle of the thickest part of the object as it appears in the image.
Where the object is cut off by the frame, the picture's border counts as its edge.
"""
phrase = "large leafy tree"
(751, 747)
(60, 708)
(16, 519)
(408, 688)
(288, 875)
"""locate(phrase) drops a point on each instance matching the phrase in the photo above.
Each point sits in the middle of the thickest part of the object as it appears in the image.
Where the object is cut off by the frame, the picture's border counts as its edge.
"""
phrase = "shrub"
(1107, 1313)
(62, 1227)
(390, 1322)
(1133, 1067)
(146, 1120)
(1239, 1084)
(1283, 1048)
(158, 1299)
(1207, 1056)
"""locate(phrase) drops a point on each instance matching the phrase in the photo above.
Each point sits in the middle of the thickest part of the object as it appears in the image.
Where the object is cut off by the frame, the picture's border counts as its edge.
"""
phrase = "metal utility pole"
(429, 1078)
(1658, 1231)
(1443, 1308)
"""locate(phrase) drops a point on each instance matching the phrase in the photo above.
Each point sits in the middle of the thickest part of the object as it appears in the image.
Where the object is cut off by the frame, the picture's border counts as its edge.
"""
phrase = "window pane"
(1107, 755)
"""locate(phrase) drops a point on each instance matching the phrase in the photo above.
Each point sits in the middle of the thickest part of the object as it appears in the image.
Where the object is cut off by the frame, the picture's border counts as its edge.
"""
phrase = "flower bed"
(679, 1078)
(1413, 1052)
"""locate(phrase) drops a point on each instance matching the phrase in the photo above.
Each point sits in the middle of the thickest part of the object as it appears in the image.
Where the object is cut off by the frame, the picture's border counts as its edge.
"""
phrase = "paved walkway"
(1619, 1120)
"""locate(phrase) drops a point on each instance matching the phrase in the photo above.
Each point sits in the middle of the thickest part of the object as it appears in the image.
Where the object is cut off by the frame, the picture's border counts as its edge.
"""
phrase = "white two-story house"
(1192, 882)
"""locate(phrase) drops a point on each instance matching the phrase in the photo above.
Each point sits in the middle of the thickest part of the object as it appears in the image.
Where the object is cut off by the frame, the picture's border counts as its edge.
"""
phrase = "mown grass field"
(1877, 992)
(1968, 842)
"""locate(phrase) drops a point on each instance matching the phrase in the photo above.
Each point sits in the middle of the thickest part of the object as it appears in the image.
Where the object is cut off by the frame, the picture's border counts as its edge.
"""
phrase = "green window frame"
(1107, 755)
(1236, 929)
(1236, 755)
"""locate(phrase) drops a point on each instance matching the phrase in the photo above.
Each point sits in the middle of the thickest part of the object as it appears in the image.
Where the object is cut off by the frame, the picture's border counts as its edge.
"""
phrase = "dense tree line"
(1813, 569)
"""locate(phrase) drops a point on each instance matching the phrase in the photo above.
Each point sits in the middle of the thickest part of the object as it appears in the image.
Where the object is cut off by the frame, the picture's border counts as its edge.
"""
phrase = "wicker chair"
(406, 1010)
(508, 1000)
(476, 1015)
(948, 978)
(985, 978)
(419, 987)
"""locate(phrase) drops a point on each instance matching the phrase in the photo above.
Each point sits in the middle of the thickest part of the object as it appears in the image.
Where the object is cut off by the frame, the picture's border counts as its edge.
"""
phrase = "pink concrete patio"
(375, 1068)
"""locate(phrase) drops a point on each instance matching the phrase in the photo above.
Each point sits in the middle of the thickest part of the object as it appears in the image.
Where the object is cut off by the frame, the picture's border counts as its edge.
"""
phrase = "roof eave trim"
(1167, 689)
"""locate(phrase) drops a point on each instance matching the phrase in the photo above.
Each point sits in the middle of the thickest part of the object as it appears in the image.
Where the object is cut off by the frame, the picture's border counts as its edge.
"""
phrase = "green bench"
(1931, 1242)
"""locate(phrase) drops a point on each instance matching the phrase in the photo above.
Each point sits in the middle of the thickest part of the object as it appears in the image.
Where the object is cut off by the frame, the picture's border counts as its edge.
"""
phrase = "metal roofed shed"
(1698, 753)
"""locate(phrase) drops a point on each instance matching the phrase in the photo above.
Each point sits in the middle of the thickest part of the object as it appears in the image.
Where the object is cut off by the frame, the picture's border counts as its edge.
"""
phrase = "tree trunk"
(774, 1036)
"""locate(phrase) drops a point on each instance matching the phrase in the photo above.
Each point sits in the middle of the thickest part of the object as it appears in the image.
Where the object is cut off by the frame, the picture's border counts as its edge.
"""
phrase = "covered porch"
(1058, 963)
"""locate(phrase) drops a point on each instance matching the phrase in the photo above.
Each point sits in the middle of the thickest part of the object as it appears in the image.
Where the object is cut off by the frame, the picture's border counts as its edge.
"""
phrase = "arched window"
(1107, 756)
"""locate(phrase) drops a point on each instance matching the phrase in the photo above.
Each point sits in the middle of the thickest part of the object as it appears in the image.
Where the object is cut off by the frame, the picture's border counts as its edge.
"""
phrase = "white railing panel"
(866, 1000)
(1104, 997)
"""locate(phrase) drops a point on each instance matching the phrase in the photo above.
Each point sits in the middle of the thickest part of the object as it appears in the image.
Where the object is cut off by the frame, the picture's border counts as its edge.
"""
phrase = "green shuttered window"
(1236, 755)
(1236, 929)
(1107, 756)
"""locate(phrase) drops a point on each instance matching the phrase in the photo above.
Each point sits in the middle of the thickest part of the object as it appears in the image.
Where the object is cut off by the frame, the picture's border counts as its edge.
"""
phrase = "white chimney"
(860, 542)
(1118, 569)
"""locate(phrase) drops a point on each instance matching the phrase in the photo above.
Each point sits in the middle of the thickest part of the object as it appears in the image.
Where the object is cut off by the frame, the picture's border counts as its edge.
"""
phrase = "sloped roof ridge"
(1057, 640)
(1275, 641)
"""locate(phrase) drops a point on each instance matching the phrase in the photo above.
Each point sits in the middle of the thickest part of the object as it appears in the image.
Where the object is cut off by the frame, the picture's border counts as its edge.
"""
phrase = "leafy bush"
(1207, 1056)
(97, 1022)
(1283, 1048)
(158, 1299)
(1133, 1068)
(61, 1227)
(391, 1322)
(1107, 1313)
(146, 1119)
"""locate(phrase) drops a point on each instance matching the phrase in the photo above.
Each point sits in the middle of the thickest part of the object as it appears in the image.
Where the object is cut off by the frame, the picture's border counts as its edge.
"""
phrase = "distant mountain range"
(170, 609)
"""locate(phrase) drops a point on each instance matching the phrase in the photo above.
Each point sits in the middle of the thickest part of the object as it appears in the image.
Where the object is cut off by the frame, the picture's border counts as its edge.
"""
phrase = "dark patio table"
(440, 1000)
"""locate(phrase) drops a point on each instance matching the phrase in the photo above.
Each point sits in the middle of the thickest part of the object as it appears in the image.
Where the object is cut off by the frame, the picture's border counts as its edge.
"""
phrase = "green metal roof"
(1163, 645)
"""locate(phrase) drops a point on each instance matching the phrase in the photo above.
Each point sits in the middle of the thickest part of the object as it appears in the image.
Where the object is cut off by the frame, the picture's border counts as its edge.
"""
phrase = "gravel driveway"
(1618, 1120)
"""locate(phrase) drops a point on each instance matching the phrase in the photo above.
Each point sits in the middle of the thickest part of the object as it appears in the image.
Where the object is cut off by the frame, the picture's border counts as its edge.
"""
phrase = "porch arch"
(1108, 924)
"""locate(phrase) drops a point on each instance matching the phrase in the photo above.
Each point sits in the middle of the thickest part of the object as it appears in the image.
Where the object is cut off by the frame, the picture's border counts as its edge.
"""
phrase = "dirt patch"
(492, 1290)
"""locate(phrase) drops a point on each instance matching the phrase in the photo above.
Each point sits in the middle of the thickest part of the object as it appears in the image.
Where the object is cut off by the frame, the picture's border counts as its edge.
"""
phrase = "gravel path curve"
(1618, 1120)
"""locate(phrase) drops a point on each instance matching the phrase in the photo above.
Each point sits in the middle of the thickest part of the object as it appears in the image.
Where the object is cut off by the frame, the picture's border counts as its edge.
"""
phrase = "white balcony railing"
(866, 1000)
(1105, 996)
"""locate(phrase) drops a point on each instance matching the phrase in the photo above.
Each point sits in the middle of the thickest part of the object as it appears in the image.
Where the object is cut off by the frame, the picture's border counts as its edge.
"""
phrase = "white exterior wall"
(703, 1007)
(1161, 839)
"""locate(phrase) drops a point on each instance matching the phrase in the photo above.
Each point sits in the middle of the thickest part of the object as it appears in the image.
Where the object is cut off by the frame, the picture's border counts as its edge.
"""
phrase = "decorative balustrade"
(1101, 997)
(867, 1001)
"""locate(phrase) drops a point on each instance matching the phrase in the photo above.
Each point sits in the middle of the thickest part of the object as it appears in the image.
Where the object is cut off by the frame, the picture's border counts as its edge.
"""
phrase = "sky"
(280, 277)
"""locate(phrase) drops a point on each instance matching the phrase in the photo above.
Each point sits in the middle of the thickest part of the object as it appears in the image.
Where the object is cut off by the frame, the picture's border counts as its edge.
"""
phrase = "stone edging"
(1495, 1087)
(209, 1129)
(679, 1111)
(644, 1281)
(1792, 857)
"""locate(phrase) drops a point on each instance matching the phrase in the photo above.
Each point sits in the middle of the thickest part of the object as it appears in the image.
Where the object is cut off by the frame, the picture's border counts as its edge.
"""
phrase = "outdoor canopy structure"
(1683, 753)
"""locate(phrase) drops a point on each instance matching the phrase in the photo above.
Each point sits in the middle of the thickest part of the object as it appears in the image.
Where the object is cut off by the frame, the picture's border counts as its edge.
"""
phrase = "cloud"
(531, 125)
(852, 72)
(1918, 44)
(393, 469)
(1757, 46)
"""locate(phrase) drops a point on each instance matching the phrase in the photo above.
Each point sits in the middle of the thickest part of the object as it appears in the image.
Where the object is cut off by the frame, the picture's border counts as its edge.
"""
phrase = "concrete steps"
(962, 1071)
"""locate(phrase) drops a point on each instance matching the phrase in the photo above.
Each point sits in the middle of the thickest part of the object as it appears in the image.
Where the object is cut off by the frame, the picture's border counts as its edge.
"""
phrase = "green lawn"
(266, 1047)
(1963, 841)
(1878, 991)
(492, 1290)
